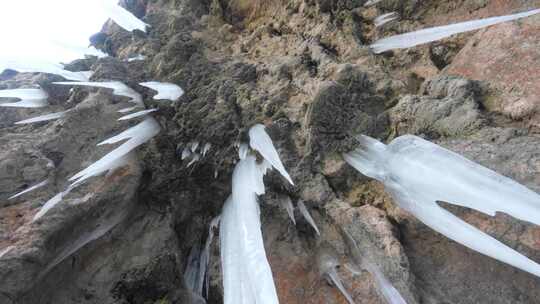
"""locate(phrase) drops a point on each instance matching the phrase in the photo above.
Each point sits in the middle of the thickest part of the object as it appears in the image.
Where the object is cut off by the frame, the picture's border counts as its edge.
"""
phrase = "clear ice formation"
(119, 88)
(418, 174)
(385, 18)
(384, 287)
(29, 66)
(243, 151)
(137, 114)
(29, 98)
(305, 212)
(165, 90)
(411, 39)
(41, 118)
(138, 57)
(262, 143)
(55, 200)
(247, 277)
(286, 203)
(136, 136)
(122, 17)
(34, 187)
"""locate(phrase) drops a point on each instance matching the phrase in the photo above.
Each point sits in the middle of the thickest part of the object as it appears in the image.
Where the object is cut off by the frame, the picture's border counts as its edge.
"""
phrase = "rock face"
(301, 68)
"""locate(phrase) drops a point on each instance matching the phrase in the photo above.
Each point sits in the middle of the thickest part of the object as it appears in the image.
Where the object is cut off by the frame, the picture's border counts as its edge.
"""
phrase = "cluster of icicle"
(444, 176)
(411, 39)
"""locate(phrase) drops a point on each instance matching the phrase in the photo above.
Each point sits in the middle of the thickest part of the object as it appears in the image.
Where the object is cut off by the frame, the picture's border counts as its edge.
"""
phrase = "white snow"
(307, 216)
(385, 18)
(119, 88)
(165, 90)
(41, 118)
(136, 136)
(247, 277)
(137, 114)
(37, 186)
(418, 174)
(436, 33)
(29, 98)
(261, 142)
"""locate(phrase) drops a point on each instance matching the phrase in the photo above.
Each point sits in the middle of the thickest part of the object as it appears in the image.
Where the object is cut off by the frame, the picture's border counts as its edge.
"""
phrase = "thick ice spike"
(165, 90)
(307, 216)
(41, 118)
(119, 88)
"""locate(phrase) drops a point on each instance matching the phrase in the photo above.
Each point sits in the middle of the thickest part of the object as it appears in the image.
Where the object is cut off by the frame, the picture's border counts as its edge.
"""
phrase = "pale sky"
(51, 30)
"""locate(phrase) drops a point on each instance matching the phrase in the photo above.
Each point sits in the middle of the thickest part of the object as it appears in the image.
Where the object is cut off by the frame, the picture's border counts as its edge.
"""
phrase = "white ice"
(385, 18)
(328, 264)
(122, 17)
(165, 90)
(196, 157)
(37, 66)
(52, 203)
(194, 146)
(186, 153)
(261, 142)
(243, 151)
(125, 110)
(286, 203)
(139, 57)
(418, 174)
(6, 251)
(29, 98)
(305, 212)
(46, 117)
(247, 277)
(119, 88)
(135, 136)
(137, 114)
(411, 39)
(37, 186)
(206, 148)
(371, 2)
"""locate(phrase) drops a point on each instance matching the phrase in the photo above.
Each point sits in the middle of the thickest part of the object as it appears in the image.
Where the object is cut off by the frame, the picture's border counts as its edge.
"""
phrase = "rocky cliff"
(302, 68)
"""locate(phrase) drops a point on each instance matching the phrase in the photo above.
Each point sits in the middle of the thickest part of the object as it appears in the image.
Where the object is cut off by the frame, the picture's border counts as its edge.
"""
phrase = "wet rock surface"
(302, 69)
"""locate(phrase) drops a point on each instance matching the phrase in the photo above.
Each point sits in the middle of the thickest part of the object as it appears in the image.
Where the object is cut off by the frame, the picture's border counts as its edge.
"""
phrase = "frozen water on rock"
(328, 264)
(385, 18)
(122, 17)
(194, 146)
(52, 203)
(139, 57)
(286, 203)
(119, 88)
(29, 66)
(371, 2)
(305, 212)
(243, 151)
(206, 148)
(46, 117)
(186, 153)
(411, 39)
(165, 90)
(6, 251)
(37, 186)
(247, 277)
(418, 174)
(261, 142)
(29, 98)
(135, 136)
(137, 114)
(196, 158)
(125, 110)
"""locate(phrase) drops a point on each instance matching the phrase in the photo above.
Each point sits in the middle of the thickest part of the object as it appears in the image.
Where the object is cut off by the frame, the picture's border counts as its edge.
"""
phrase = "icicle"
(384, 287)
(136, 136)
(247, 277)
(327, 264)
(41, 118)
(123, 18)
(37, 186)
(168, 91)
(194, 146)
(243, 151)
(28, 66)
(261, 142)
(307, 216)
(286, 203)
(204, 279)
(52, 203)
(206, 148)
(186, 153)
(6, 251)
(29, 98)
(334, 276)
(371, 2)
(384, 19)
(125, 110)
(196, 158)
(137, 114)
(119, 88)
(418, 174)
(139, 57)
(216, 173)
(411, 39)
(192, 269)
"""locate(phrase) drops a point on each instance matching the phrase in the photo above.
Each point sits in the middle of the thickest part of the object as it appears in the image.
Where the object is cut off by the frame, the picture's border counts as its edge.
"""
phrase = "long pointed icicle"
(261, 142)
(247, 277)
(123, 18)
(6, 251)
(418, 174)
(384, 19)
(137, 114)
(37, 186)
(411, 39)
(165, 90)
(336, 279)
(28, 66)
(305, 212)
(119, 88)
(29, 98)
(286, 203)
(41, 118)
